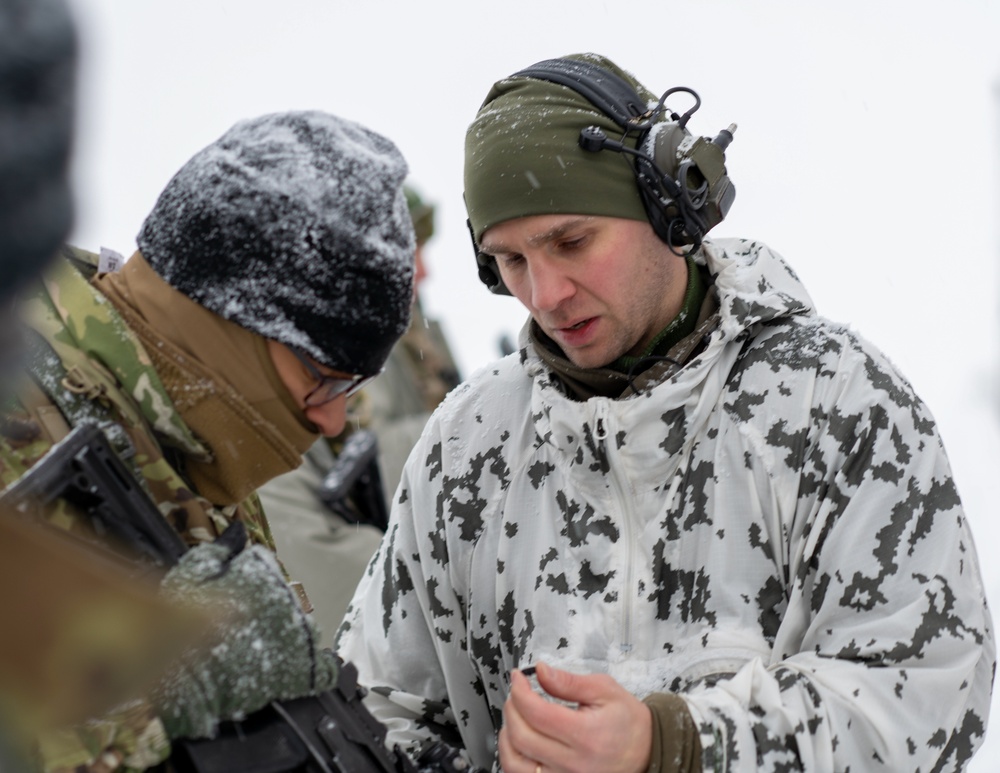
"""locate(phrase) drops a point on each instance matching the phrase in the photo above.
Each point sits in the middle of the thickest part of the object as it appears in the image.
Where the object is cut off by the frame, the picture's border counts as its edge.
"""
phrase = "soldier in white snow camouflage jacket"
(759, 537)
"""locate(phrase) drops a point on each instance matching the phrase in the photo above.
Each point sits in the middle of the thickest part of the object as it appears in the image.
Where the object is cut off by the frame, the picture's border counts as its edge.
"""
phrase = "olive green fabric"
(522, 155)
(676, 745)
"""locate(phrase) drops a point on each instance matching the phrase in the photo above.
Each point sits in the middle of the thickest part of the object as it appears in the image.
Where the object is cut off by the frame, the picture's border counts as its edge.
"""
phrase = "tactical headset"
(682, 179)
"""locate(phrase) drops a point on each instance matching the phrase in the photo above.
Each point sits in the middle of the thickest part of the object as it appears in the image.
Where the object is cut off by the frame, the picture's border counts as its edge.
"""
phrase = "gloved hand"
(261, 645)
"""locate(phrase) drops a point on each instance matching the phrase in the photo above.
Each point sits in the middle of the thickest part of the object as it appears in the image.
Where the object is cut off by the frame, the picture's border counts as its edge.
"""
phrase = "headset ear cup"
(663, 211)
(661, 145)
(656, 211)
(489, 274)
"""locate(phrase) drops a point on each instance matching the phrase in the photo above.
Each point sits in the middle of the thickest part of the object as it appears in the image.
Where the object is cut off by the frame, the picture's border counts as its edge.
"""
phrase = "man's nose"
(550, 285)
(329, 417)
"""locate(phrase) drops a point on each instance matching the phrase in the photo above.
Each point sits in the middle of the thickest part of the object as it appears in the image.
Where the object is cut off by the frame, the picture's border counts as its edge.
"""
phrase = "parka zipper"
(622, 496)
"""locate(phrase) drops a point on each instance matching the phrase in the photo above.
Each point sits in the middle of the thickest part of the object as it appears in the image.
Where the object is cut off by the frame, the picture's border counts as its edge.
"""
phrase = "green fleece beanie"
(421, 213)
(522, 155)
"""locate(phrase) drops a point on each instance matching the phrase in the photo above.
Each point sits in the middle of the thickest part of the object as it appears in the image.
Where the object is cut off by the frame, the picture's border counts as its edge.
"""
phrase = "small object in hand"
(529, 672)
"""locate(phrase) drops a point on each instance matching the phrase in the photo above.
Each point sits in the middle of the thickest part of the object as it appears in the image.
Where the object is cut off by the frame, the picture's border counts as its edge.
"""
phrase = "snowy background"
(868, 150)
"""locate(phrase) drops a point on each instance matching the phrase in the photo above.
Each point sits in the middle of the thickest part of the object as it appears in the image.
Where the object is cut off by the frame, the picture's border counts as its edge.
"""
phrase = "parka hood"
(755, 286)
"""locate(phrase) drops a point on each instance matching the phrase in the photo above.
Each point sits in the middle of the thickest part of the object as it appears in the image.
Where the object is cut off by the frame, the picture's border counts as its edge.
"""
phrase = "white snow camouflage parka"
(772, 532)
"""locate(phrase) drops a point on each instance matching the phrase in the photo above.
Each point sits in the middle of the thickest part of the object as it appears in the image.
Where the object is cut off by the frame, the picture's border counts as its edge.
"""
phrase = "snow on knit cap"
(523, 157)
(295, 227)
(38, 49)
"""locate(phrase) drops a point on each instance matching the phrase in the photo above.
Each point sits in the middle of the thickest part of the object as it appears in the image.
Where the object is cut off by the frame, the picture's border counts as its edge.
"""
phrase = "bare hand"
(610, 732)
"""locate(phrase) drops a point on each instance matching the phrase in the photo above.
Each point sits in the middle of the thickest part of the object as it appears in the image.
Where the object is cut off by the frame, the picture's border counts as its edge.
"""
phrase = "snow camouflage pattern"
(108, 377)
(772, 532)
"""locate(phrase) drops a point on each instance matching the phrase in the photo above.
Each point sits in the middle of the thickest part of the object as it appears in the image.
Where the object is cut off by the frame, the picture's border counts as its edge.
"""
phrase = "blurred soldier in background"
(37, 78)
(37, 74)
(328, 515)
(56, 666)
(420, 370)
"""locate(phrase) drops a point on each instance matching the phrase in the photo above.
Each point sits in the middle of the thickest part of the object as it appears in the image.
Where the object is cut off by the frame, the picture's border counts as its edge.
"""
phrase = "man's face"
(419, 270)
(600, 287)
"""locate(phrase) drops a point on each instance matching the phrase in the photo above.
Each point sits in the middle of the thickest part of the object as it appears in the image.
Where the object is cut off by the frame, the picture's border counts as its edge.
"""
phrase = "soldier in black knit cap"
(272, 279)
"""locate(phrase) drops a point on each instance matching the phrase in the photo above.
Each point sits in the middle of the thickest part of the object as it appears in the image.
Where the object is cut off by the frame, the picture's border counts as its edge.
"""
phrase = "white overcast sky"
(867, 153)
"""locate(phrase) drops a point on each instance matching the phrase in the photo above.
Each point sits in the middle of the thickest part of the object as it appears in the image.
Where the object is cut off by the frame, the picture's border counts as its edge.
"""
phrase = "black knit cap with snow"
(295, 227)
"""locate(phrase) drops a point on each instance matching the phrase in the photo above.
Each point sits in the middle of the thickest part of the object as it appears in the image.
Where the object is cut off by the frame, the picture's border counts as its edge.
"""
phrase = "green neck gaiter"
(680, 326)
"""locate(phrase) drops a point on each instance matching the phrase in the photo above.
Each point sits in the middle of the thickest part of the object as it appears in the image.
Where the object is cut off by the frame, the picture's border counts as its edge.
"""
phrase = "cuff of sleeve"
(131, 738)
(676, 746)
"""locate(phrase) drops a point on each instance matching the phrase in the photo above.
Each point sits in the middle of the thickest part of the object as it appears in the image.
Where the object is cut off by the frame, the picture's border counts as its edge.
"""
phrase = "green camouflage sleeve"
(127, 393)
(129, 740)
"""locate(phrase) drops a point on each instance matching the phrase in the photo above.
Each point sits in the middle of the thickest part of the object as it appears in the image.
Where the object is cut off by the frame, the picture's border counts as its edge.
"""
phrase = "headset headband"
(608, 92)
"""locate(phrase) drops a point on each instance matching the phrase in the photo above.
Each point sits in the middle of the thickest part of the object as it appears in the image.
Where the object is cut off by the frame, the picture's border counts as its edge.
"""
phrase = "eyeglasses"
(329, 387)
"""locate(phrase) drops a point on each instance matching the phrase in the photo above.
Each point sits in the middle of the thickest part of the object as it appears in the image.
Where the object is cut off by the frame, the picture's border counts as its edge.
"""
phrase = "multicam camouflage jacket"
(771, 532)
(86, 365)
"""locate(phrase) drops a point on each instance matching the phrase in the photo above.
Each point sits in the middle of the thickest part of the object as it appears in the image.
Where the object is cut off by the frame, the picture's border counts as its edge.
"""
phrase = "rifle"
(84, 470)
(328, 733)
(355, 475)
